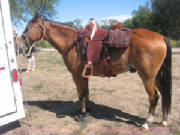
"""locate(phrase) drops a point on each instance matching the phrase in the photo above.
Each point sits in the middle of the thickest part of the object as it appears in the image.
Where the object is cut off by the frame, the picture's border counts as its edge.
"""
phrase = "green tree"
(105, 24)
(70, 23)
(161, 16)
(23, 10)
(108, 23)
(165, 16)
(78, 23)
(128, 23)
(112, 21)
(141, 18)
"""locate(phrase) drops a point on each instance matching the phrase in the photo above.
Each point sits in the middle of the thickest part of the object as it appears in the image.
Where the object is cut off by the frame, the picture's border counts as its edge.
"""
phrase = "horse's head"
(34, 31)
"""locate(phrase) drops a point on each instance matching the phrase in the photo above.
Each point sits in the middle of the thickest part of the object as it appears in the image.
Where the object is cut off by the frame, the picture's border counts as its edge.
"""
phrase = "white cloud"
(120, 18)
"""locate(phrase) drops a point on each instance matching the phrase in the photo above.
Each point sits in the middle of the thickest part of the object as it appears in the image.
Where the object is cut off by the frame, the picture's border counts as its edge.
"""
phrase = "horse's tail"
(164, 79)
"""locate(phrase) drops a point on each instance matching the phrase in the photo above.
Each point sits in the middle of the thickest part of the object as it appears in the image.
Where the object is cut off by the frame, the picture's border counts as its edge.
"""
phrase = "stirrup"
(84, 72)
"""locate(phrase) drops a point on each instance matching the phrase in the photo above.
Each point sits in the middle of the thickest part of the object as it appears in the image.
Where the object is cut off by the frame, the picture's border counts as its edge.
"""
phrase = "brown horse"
(149, 53)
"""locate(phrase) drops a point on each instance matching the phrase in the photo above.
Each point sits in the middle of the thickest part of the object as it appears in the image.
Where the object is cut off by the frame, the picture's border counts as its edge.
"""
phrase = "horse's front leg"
(83, 93)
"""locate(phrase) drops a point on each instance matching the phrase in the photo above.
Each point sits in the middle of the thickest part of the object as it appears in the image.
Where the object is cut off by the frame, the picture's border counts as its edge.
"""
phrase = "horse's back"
(147, 39)
(147, 34)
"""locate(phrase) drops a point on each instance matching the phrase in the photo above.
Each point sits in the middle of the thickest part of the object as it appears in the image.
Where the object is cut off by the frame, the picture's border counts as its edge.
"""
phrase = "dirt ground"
(119, 105)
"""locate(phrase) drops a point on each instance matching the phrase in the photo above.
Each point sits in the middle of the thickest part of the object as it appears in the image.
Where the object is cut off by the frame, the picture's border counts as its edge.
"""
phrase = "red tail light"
(2, 68)
(15, 75)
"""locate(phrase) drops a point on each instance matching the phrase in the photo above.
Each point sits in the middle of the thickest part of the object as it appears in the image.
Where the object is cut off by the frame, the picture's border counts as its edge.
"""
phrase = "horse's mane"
(63, 25)
(73, 33)
(67, 30)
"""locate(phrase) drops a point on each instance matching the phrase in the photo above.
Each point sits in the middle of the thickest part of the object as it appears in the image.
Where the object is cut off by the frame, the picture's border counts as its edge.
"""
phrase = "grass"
(175, 43)
(82, 126)
(54, 134)
(63, 91)
(54, 60)
(40, 126)
(57, 97)
(107, 126)
(21, 132)
(118, 124)
(173, 127)
(50, 98)
(44, 44)
(49, 61)
(174, 131)
(38, 87)
(108, 90)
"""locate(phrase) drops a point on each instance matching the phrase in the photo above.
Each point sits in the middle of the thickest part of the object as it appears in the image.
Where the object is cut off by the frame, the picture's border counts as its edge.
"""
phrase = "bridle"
(39, 24)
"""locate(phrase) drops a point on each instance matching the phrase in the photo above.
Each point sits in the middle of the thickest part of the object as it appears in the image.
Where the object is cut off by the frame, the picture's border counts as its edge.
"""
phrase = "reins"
(41, 39)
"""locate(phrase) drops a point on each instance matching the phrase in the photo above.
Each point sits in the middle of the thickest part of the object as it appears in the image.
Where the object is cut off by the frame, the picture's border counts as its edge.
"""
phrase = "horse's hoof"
(145, 126)
(164, 123)
(80, 117)
(60, 115)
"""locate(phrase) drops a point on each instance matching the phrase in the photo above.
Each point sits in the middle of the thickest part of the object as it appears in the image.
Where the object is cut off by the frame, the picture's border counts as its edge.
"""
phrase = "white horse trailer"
(11, 103)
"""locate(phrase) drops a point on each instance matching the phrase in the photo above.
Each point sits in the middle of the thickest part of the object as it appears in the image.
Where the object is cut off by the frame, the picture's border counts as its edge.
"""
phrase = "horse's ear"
(36, 16)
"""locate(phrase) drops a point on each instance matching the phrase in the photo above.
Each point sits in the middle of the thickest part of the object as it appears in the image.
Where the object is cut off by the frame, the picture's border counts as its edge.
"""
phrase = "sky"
(69, 10)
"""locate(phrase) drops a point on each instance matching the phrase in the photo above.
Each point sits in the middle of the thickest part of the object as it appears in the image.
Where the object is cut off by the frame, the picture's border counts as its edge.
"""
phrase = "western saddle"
(95, 42)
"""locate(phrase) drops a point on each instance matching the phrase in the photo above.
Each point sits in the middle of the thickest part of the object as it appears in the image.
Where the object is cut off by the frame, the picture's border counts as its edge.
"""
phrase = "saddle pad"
(119, 37)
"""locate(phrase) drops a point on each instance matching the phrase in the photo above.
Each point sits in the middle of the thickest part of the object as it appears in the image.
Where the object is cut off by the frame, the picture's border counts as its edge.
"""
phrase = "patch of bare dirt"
(119, 105)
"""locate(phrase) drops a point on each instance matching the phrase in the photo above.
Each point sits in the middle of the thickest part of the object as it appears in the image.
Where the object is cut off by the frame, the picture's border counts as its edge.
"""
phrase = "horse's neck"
(60, 36)
(63, 41)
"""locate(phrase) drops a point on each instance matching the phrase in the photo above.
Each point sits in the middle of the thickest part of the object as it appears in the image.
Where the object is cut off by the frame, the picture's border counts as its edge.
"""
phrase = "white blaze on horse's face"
(94, 28)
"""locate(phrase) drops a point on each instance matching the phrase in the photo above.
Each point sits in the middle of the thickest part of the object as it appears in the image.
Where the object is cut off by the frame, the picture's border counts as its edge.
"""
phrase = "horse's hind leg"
(153, 99)
(83, 93)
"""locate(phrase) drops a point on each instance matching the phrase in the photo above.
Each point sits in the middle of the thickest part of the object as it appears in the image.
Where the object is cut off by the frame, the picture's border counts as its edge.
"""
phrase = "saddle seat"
(97, 48)
(94, 48)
